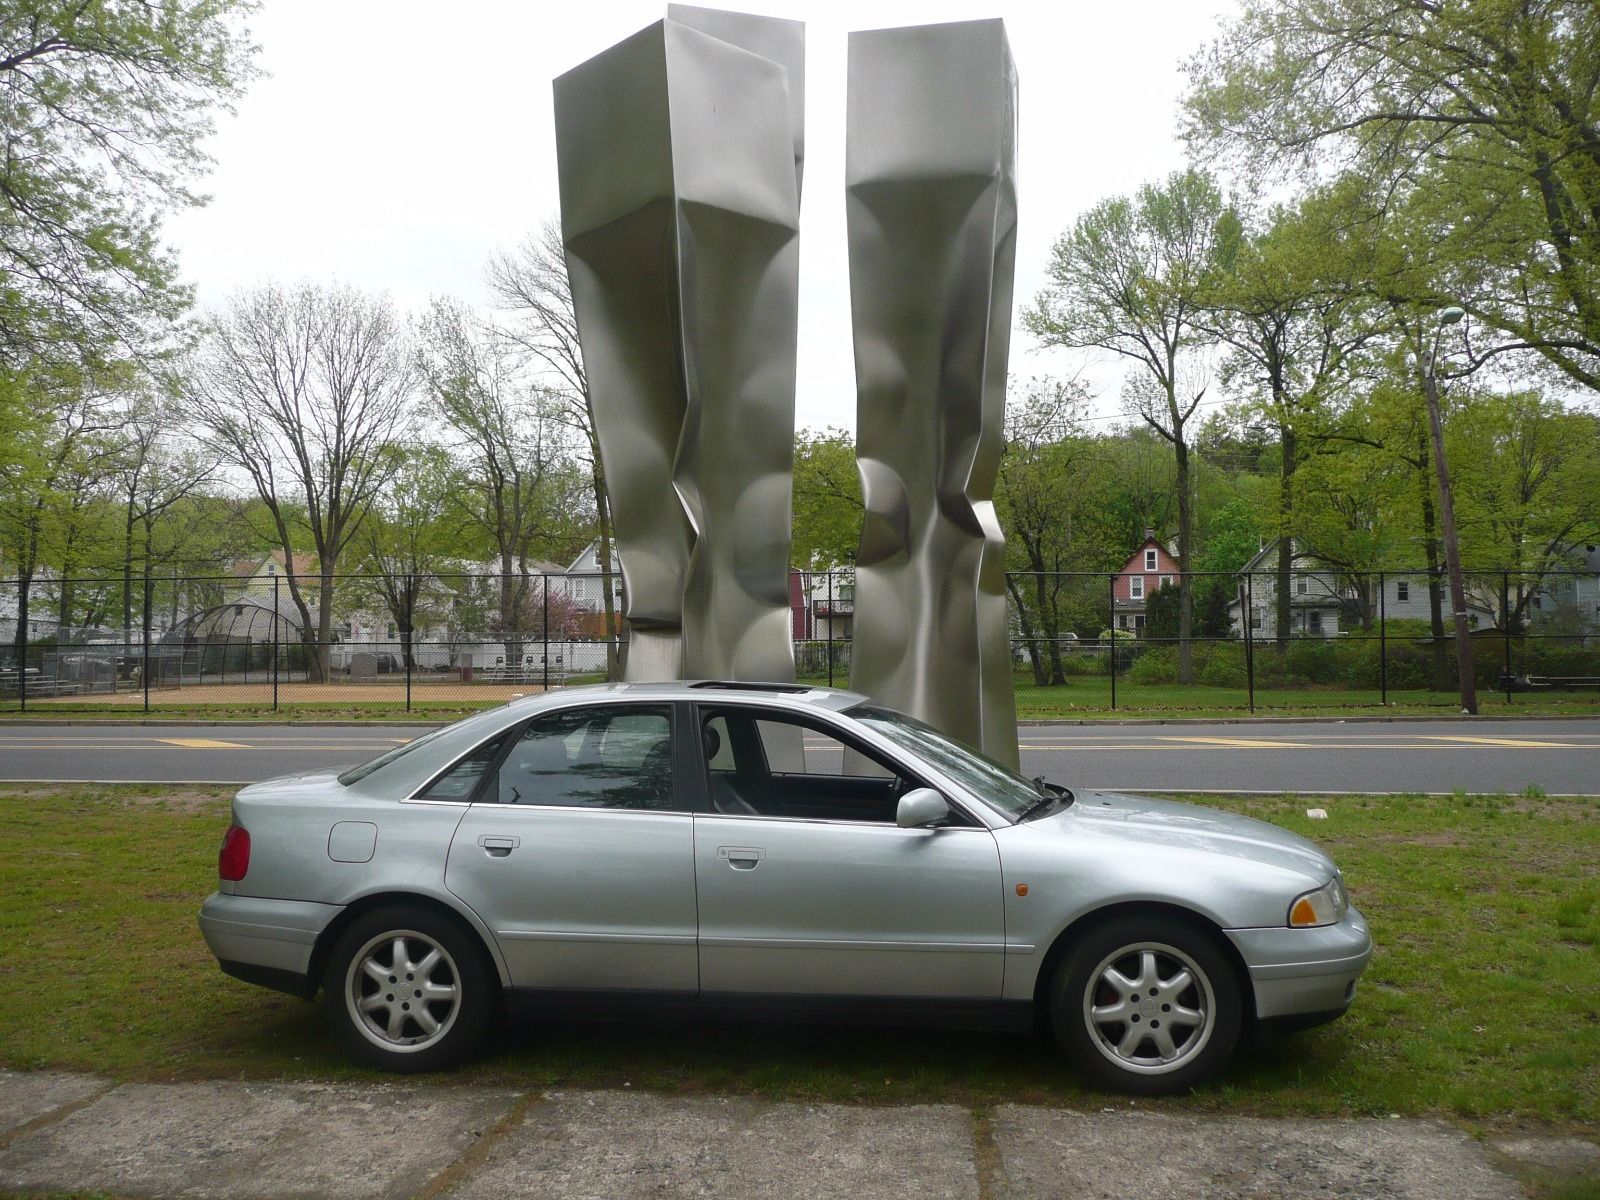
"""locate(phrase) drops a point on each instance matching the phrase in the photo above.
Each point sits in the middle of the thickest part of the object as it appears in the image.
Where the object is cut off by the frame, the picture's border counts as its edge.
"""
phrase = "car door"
(578, 853)
(808, 887)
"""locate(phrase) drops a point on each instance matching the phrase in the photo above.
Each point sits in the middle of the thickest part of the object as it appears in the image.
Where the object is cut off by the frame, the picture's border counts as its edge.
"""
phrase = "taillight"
(233, 860)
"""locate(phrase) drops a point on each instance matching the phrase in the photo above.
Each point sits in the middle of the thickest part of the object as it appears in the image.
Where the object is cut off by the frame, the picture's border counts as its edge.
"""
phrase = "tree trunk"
(1029, 641)
(1430, 547)
(602, 508)
(1283, 598)
(1185, 582)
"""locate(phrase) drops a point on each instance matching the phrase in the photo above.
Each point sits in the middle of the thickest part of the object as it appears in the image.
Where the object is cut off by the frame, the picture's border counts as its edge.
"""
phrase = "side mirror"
(920, 807)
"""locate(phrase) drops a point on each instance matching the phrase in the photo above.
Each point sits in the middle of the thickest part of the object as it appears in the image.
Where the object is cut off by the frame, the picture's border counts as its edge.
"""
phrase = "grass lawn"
(1482, 1001)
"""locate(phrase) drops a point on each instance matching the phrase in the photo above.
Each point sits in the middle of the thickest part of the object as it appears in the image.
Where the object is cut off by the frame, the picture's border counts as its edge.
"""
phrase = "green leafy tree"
(827, 499)
(1050, 500)
(1292, 311)
(406, 539)
(1527, 477)
(105, 107)
(1131, 277)
(1481, 116)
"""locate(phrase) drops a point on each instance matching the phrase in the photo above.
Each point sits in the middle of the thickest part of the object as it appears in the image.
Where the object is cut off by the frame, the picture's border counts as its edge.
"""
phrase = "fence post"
(830, 626)
(144, 649)
(1111, 583)
(1383, 640)
(408, 649)
(1247, 612)
(275, 610)
(1505, 625)
(546, 584)
(22, 666)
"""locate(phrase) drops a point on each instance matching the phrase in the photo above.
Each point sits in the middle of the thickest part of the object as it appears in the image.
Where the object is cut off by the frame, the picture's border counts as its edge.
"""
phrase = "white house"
(1314, 598)
(1405, 598)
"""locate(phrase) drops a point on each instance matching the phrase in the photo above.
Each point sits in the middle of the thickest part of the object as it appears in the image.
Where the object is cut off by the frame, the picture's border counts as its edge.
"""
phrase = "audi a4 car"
(805, 851)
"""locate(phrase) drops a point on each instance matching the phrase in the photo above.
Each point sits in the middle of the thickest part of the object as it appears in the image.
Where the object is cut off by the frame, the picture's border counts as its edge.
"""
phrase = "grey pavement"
(62, 1133)
(1558, 756)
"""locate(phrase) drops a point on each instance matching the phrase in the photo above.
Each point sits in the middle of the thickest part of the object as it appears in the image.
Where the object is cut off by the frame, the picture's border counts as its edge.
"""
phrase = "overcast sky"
(395, 143)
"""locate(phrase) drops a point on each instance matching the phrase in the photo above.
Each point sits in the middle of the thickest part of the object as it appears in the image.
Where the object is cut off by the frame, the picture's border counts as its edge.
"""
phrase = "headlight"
(1324, 906)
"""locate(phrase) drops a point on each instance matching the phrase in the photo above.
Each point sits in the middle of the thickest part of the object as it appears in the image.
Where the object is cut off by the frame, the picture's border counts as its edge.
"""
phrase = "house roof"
(246, 568)
(1297, 557)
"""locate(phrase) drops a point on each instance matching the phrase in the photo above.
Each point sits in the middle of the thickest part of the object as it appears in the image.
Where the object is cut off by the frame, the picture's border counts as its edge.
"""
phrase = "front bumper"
(265, 941)
(1305, 972)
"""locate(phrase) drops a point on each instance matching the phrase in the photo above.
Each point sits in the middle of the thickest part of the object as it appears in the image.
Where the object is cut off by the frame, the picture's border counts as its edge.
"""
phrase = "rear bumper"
(265, 941)
(1304, 976)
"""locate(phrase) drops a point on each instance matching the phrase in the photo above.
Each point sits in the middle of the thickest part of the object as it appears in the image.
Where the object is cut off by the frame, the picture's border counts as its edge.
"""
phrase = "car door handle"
(498, 845)
(741, 858)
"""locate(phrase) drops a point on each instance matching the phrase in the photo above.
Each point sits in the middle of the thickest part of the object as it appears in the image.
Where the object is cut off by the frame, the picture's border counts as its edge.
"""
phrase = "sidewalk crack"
(59, 1113)
(474, 1155)
(986, 1154)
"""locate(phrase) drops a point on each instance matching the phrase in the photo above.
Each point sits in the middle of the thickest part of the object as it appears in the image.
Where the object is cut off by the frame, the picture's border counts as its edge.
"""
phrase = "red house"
(1149, 567)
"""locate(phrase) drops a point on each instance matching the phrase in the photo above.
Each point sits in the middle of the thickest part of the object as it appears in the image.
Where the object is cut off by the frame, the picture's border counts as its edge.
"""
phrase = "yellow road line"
(1490, 741)
(203, 744)
(1239, 743)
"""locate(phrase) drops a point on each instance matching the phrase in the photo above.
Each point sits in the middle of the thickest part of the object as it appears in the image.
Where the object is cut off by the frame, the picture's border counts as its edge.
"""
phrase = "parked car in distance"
(718, 847)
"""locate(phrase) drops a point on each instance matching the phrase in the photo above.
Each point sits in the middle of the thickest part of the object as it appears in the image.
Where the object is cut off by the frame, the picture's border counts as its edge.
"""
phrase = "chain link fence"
(1309, 637)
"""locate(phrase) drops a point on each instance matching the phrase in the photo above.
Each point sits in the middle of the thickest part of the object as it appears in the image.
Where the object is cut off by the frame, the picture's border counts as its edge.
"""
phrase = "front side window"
(761, 763)
(617, 756)
(1149, 560)
(1136, 588)
(1402, 590)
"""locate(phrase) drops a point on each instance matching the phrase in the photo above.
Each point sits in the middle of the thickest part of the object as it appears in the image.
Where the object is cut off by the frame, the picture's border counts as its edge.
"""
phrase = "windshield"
(998, 785)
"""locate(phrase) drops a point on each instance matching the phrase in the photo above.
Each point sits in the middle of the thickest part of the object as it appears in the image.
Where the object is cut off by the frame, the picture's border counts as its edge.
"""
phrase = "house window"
(272, 568)
(391, 632)
(1166, 581)
(1149, 560)
(1135, 588)
(1302, 585)
(1255, 620)
(1402, 591)
(1316, 620)
(1123, 620)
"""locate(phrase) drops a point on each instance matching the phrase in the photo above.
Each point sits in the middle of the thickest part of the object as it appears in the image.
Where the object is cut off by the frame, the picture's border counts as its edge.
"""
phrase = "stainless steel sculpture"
(931, 207)
(679, 157)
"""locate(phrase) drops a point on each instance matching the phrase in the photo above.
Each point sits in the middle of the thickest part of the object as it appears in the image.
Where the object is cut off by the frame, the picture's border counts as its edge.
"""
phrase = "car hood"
(1142, 820)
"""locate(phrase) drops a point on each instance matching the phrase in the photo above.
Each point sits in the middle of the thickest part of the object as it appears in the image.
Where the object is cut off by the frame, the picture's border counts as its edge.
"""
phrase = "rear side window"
(616, 756)
(461, 780)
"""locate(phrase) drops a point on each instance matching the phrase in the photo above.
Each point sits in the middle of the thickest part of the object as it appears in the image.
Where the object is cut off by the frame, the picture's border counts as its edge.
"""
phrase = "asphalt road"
(1560, 757)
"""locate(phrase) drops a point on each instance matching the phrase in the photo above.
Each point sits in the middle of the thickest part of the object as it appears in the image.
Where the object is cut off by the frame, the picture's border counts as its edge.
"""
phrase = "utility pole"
(1447, 518)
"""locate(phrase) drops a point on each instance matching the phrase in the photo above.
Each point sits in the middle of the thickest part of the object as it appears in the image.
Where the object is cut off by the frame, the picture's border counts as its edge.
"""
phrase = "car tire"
(409, 989)
(1146, 1005)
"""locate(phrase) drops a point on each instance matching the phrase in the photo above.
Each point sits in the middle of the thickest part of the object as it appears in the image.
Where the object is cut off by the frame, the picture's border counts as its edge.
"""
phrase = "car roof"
(704, 690)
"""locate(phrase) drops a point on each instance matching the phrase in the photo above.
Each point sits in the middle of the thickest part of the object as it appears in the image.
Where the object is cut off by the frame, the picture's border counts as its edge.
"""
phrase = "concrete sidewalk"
(67, 1133)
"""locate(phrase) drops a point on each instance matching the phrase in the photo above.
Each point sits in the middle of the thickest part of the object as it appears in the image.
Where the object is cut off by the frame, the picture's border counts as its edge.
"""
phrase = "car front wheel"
(408, 990)
(1146, 1005)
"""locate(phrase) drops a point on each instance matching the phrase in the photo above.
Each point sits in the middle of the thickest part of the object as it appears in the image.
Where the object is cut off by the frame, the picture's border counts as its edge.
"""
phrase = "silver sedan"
(779, 849)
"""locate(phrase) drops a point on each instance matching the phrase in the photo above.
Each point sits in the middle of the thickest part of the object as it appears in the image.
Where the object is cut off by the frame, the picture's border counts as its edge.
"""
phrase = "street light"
(1447, 517)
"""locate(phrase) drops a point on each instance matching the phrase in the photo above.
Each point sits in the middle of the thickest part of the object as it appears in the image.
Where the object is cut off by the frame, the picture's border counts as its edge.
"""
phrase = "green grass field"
(1480, 1004)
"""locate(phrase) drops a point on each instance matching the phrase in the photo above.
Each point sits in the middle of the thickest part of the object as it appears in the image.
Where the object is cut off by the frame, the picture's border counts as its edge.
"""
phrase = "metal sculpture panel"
(679, 159)
(931, 207)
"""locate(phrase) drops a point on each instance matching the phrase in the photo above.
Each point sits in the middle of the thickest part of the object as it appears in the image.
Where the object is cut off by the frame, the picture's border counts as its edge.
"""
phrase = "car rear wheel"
(408, 990)
(1147, 1005)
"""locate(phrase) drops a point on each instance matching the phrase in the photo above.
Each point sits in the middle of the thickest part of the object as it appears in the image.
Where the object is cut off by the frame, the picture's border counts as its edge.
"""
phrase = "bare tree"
(531, 282)
(305, 390)
(150, 477)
